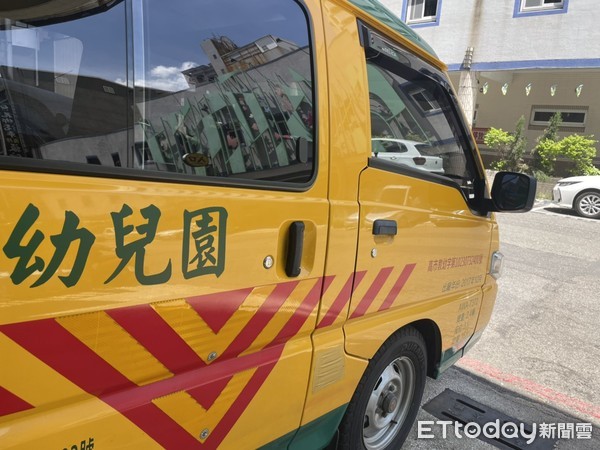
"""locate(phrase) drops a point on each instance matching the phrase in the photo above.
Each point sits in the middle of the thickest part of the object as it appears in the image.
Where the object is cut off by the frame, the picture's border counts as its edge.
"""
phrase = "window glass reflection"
(412, 124)
(213, 88)
(231, 92)
(62, 95)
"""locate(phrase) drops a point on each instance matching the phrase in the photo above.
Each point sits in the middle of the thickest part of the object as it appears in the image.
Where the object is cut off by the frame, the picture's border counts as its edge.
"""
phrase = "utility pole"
(467, 87)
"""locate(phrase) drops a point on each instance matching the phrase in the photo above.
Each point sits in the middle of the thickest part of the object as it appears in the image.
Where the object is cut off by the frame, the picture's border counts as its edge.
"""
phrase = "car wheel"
(387, 399)
(588, 205)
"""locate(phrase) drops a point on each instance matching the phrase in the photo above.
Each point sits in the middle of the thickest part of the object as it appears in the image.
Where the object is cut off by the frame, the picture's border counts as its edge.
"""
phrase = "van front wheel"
(387, 399)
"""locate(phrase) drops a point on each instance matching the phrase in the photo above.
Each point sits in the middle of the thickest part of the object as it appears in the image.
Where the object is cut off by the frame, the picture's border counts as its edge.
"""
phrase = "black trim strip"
(402, 169)
(372, 39)
(73, 16)
(123, 173)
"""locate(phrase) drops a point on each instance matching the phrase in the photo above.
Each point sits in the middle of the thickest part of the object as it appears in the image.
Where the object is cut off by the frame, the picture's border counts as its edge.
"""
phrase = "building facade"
(513, 58)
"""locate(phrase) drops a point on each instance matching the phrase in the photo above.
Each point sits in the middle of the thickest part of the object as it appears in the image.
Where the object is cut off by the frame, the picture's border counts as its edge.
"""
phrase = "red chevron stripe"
(160, 427)
(207, 395)
(240, 405)
(217, 309)
(11, 404)
(303, 312)
(52, 344)
(402, 279)
(371, 294)
(193, 379)
(55, 346)
(152, 332)
(59, 349)
(135, 404)
(260, 319)
(341, 301)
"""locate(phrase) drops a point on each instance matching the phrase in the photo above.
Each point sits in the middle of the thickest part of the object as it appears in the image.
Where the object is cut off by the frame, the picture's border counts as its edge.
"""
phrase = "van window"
(203, 89)
(412, 110)
(228, 84)
(62, 95)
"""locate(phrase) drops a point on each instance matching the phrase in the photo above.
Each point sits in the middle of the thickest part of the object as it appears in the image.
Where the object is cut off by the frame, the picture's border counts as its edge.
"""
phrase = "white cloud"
(168, 78)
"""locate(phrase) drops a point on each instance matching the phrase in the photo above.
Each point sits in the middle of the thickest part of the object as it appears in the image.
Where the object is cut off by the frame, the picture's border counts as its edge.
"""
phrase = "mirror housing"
(512, 192)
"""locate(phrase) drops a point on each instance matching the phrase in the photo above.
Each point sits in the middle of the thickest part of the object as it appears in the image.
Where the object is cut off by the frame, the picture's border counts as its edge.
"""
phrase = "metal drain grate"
(450, 405)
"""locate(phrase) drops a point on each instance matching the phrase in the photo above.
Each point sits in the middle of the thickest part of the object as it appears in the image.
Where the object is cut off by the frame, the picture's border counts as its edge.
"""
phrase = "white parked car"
(411, 153)
(580, 193)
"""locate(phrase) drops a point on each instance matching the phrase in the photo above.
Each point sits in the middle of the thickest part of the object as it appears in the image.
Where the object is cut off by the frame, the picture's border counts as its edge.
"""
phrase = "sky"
(173, 31)
(174, 38)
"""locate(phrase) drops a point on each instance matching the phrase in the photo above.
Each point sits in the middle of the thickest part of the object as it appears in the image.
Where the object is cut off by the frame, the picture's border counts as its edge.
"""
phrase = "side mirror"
(513, 192)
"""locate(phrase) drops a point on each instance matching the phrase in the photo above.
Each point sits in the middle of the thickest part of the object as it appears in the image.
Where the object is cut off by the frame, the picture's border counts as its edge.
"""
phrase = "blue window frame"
(421, 13)
(527, 8)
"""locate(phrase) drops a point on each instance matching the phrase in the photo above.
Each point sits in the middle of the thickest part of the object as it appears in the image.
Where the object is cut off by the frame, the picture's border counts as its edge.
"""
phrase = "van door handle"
(294, 249)
(385, 228)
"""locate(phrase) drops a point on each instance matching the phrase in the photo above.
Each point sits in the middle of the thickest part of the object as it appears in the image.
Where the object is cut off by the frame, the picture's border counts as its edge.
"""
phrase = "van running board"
(450, 405)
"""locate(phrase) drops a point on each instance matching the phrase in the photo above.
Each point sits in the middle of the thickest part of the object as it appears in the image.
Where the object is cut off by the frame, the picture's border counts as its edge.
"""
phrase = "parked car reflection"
(411, 153)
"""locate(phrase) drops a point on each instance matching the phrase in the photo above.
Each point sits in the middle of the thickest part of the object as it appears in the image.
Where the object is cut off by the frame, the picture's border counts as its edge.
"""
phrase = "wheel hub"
(590, 204)
(390, 403)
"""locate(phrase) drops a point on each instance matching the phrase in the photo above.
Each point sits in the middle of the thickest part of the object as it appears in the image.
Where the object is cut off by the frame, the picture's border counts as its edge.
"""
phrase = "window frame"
(521, 10)
(135, 22)
(424, 21)
(556, 4)
(425, 94)
(550, 109)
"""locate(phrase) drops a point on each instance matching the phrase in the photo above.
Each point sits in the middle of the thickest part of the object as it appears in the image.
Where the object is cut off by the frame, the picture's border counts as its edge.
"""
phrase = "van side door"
(421, 239)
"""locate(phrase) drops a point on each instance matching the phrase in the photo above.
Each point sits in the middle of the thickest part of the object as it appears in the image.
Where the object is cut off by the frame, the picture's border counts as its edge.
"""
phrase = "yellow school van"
(232, 224)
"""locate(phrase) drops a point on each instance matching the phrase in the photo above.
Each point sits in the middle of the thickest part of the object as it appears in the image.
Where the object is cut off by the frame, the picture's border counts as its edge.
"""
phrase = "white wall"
(503, 111)
(561, 49)
(489, 27)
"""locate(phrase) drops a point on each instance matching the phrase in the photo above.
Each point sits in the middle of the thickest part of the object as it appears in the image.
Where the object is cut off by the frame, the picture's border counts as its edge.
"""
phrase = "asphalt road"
(539, 359)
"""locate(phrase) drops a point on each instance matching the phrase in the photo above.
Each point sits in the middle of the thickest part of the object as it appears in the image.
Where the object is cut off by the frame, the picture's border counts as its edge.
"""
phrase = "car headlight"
(567, 183)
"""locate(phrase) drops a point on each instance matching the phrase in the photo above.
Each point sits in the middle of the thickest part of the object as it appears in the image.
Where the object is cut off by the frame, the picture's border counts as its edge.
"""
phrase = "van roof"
(375, 9)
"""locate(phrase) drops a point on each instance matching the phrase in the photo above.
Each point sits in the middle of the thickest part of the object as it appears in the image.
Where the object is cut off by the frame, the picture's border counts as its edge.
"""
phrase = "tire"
(588, 204)
(387, 399)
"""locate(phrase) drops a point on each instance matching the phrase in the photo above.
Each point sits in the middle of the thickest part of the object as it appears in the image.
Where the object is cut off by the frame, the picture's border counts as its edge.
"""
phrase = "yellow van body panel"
(148, 351)
(439, 255)
(490, 288)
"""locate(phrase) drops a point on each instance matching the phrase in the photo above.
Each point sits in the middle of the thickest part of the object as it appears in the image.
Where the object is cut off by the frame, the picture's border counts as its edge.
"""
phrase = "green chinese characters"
(203, 246)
